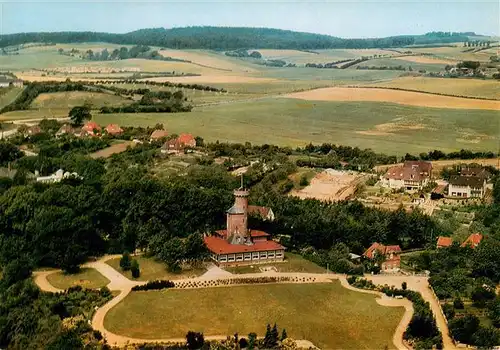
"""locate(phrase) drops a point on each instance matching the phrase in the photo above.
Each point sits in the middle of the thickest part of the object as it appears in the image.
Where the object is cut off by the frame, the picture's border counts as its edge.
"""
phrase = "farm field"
(118, 147)
(425, 60)
(400, 97)
(87, 278)
(456, 53)
(152, 269)
(9, 95)
(71, 99)
(460, 87)
(331, 316)
(391, 128)
(391, 62)
(293, 263)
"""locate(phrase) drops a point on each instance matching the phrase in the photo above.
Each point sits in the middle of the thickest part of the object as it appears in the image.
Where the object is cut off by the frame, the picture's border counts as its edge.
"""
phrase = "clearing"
(331, 185)
(118, 147)
(262, 122)
(152, 269)
(394, 96)
(87, 278)
(459, 87)
(293, 263)
(327, 314)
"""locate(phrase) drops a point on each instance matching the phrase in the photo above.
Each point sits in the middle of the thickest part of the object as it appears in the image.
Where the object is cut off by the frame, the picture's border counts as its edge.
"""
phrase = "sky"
(347, 19)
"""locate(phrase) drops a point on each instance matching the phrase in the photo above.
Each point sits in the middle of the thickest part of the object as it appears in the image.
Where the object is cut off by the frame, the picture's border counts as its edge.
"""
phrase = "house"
(6, 82)
(91, 129)
(158, 134)
(66, 129)
(475, 171)
(238, 245)
(178, 144)
(33, 130)
(113, 129)
(391, 255)
(466, 186)
(444, 242)
(472, 241)
(412, 175)
(56, 177)
(265, 213)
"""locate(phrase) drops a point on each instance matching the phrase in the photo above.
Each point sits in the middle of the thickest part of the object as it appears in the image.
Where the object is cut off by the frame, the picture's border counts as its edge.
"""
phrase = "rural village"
(249, 188)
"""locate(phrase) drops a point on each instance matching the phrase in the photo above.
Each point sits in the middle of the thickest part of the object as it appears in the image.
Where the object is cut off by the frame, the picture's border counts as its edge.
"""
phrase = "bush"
(154, 285)
(125, 262)
(134, 268)
(448, 311)
(194, 340)
(458, 303)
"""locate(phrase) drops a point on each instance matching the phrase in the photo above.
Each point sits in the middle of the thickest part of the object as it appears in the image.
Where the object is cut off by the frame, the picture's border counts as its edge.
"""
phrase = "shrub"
(458, 303)
(194, 340)
(154, 285)
(125, 262)
(134, 267)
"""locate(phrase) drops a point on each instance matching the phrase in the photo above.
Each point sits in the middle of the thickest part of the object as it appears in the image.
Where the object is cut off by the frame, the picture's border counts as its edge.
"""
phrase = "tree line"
(229, 38)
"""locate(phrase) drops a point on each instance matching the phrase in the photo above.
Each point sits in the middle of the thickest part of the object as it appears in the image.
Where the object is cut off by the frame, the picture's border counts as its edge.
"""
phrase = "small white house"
(467, 187)
(56, 177)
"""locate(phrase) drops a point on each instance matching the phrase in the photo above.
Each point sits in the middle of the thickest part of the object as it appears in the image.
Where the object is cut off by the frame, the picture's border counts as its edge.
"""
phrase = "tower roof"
(235, 210)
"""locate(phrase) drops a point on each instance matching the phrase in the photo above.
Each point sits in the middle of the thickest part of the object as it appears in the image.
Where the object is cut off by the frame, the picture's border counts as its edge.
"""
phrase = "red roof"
(113, 129)
(410, 171)
(444, 242)
(253, 233)
(219, 245)
(91, 126)
(473, 240)
(158, 134)
(187, 139)
(258, 210)
(369, 253)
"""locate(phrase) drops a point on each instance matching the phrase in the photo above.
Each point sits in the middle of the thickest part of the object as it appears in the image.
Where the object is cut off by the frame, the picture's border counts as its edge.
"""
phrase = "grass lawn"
(294, 122)
(8, 95)
(152, 269)
(293, 263)
(87, 278)
(327, 314)
(77, 98)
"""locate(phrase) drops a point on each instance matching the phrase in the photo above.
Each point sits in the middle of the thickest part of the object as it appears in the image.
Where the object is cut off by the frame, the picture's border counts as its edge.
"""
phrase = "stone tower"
(237, 214)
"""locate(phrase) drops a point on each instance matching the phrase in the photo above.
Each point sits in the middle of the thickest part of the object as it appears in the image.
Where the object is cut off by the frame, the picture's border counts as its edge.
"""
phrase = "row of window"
(249, 256)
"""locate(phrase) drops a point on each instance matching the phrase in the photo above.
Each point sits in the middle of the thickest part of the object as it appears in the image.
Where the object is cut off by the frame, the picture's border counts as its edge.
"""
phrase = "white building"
(467, 186)
(412, 175)
(56, 177)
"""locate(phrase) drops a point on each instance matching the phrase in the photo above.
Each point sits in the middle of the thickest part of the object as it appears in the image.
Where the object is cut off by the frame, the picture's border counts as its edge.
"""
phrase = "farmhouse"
(390, 254)
(178, 144)
(91, 129)
(5, 82)
(412, 175)
(477, 172)
(237, 245)
(444, 242)
(467, 186)
(158, 134)
(114, 129)
(265, 213)
(66, 129)
(472, 241)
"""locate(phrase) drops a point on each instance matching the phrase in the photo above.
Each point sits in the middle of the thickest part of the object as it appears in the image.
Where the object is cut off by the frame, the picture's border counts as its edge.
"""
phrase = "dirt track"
(394, 96)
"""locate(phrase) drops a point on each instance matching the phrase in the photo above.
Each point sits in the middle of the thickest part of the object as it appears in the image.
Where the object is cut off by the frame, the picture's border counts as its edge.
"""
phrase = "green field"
(327, 314)
(87, 278)
(152, 269)
(77, 98)
(294, 122)
(388, 62)
(8, 95)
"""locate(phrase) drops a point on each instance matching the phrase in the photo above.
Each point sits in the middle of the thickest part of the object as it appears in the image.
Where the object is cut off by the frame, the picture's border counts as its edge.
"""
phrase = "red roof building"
(178, 144)
(444, 242)
(265, 213)
(114, 129)
(391, 253)
(237, 245)
(187, 140)
(472, 241)
(91, 128)
(411, 175)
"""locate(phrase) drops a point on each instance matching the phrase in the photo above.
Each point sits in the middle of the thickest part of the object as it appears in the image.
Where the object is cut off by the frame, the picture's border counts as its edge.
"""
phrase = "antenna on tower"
(241, 176)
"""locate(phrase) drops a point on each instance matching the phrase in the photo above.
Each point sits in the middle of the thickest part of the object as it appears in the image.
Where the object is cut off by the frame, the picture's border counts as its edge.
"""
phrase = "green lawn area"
(7, 95)
(87, 278)
(77, 98)
(152, 269)
(293, 263)
(327, 314)
(294, 122)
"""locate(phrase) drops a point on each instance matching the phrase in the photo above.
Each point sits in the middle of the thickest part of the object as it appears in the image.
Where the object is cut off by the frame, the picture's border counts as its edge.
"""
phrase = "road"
(120, 283)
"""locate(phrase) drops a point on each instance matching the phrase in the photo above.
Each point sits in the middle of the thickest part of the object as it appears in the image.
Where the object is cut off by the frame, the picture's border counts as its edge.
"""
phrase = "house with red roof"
(391, 253)
(412, 175)
(114, 129)
(238, 245)
(444, 242)
(265, 213)
(179, 144)
(91, 129)
(187, 140)
(472, 241)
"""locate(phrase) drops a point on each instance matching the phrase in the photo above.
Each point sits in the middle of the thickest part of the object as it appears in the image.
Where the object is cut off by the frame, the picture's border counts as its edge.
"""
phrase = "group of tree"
(400, 67)
(230, 38)
(129, 264)
(477, 43)
(242, 53)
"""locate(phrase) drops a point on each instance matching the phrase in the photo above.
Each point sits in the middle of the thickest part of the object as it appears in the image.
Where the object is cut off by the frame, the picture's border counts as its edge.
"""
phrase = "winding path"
(118, 282)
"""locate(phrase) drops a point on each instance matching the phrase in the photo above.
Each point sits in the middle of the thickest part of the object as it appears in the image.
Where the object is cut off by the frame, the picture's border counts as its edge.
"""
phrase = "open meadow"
(390, 128)
(331, 316)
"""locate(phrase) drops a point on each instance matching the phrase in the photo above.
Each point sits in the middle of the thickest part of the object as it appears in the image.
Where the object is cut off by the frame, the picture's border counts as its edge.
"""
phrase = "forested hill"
(230, 38)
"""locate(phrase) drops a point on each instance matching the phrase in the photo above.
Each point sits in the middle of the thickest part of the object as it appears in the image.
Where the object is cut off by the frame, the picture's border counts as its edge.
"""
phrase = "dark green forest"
(231, 38)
